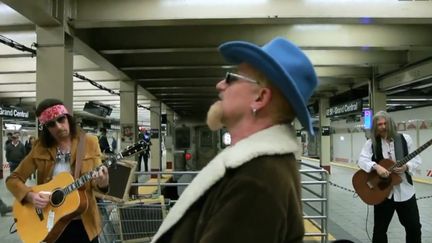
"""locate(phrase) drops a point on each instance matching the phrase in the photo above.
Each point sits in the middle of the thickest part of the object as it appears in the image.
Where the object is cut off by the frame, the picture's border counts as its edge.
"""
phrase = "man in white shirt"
(386, 143)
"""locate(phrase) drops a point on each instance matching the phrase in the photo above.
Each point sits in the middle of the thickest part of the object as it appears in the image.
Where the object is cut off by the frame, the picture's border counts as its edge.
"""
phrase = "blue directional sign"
(367, 114)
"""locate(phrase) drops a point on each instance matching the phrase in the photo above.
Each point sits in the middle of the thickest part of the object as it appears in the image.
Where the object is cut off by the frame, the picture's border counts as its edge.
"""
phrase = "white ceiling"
(169, 47)
(18, 72)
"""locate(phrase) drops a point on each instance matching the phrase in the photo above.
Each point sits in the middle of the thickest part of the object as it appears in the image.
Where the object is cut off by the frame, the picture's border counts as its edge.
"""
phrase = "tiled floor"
(6, 221)
(347, 215)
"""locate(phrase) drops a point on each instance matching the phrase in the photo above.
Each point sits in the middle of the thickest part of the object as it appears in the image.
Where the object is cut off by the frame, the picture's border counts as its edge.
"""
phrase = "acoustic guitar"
(67, 200)
(374, 189)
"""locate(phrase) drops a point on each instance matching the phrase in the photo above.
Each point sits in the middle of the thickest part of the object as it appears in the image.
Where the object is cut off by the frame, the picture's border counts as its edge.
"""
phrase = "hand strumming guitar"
(39, 199)
(381, 171)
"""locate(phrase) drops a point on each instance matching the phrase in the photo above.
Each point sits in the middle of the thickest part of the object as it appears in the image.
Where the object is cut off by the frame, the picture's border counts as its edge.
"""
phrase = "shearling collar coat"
(250, 192)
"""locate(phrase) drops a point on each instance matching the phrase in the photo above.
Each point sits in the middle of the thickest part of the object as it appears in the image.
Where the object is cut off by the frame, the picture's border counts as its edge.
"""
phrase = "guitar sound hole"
(57, 198)
(384, 183)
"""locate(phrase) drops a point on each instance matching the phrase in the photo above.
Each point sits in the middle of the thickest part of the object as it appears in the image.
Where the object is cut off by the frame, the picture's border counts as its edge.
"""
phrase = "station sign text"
(350, 107)
(13, 112)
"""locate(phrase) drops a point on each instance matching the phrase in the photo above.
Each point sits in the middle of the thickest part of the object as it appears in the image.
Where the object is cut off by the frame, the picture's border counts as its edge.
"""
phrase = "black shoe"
(5, 209)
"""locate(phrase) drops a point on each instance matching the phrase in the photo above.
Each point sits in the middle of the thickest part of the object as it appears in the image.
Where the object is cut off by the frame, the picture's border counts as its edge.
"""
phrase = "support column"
(54, 65)
(324, 134)
(155, 149)
(128, 113)
(99, 126)
(377, 98)
(169, 139)
(1, 148)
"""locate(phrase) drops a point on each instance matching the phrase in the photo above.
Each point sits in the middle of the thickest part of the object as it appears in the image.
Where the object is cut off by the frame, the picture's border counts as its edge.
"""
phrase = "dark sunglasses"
(233, 77)
(53, 123)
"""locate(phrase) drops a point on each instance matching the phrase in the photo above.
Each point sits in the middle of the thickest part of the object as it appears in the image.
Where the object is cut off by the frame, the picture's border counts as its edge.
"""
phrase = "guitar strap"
(80, 154)
(401, 150)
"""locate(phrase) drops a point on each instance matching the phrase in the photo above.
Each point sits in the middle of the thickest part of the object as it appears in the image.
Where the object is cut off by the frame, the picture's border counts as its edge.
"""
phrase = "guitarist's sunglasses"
(53, 123)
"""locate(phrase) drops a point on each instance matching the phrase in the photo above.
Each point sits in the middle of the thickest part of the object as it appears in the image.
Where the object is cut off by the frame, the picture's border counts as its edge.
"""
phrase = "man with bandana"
(250, 192)
(55, 152)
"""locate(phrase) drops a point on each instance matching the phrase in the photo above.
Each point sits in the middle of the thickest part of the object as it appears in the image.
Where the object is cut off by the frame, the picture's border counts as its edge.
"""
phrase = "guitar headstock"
(128, 151)
(135, 148)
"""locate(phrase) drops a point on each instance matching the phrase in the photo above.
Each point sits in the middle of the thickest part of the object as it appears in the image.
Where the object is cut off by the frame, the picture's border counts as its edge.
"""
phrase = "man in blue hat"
(250, 192)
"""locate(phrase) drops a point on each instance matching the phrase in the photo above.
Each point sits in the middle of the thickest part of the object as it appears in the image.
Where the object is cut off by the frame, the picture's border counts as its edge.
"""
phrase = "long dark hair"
(45, 136)
(390, 126)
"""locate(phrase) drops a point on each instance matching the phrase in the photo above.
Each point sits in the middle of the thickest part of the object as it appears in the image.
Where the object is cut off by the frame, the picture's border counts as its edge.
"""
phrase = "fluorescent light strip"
(423, 86)
(410, 99)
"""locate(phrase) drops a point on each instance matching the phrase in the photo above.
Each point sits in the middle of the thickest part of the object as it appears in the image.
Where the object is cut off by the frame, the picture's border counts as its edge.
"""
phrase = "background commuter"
(114, 144)
(15, 151)
(145, 154)
(103, 141)
(4, 209)
(29, 144)
(9, 139)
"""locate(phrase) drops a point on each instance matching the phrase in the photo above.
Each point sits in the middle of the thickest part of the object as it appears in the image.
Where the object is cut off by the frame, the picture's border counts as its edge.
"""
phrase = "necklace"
(389, 149)
(63, 156)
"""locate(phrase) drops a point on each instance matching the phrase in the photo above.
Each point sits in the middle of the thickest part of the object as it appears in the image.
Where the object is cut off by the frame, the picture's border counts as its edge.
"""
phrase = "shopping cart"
(133, 221)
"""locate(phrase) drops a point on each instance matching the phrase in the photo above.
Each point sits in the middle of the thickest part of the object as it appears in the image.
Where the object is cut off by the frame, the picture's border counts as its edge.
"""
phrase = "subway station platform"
(351, 219)
(348, 217)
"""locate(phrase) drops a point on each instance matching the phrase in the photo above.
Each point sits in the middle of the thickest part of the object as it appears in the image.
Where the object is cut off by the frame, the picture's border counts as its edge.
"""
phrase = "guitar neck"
(412, 155)
(80, 181)
(112, 160)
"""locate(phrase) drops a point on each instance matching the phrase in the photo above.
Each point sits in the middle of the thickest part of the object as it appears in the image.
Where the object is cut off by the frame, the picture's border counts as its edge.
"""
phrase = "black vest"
(378, 157)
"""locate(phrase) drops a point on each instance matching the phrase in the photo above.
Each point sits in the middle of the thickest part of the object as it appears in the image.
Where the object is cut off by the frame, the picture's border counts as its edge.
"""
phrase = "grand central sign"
(349, 107)
(13, 112)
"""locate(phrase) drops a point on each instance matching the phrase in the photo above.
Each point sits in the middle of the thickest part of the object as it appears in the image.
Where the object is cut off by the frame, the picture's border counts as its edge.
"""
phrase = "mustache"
(62, 131)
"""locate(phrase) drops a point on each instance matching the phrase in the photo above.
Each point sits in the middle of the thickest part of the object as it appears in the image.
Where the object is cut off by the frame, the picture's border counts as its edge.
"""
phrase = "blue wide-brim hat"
(285, 65)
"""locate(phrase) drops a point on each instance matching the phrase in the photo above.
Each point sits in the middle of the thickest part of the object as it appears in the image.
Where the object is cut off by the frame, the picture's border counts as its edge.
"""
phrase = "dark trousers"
(75, 232)
(408, 216)
(143, 157)
(13, 166)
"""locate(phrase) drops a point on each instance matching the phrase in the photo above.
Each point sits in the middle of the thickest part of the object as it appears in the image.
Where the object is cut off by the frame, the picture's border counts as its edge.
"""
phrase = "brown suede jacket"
(42, 160)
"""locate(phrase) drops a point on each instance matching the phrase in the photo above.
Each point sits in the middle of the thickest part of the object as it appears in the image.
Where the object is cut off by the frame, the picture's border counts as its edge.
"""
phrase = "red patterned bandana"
(51, 113)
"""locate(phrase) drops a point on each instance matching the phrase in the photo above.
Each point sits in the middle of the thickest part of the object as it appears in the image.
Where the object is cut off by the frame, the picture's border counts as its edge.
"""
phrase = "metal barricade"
(144, 220)
(315, 202)
(163, 180)
(134, 221)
